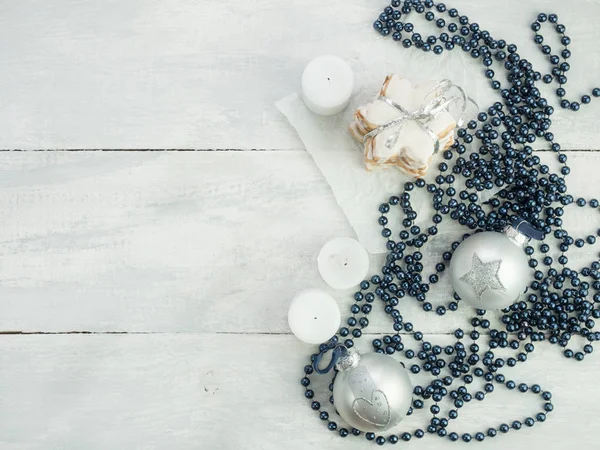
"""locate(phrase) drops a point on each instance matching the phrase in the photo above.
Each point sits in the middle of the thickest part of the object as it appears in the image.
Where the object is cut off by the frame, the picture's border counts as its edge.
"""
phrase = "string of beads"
(495, 150)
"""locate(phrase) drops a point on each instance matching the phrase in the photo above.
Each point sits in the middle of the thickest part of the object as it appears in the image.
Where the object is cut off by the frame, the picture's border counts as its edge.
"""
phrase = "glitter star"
(483, 276)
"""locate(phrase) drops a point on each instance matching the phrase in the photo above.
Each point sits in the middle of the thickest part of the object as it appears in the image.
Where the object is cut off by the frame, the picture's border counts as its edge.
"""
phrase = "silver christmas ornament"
(372, 391)
(489, 270)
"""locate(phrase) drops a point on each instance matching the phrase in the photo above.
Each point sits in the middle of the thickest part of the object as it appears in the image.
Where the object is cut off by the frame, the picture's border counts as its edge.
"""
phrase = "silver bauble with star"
(372, 391)
(489, 270)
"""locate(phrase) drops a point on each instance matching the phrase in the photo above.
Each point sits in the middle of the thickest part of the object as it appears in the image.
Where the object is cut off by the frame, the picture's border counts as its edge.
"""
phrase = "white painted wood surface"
(193, 256)
(205, 74)
(207, 391)
(186, 241)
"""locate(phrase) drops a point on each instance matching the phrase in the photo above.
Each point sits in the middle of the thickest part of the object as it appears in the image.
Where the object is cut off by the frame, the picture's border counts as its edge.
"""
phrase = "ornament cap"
(515, 236)
(520, 232)
(524, 227)
(348, 360)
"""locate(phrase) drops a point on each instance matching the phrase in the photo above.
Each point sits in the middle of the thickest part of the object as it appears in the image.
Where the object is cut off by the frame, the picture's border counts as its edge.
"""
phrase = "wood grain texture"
(198, 253)
(153, 392)
(188, 241)
(188, 74)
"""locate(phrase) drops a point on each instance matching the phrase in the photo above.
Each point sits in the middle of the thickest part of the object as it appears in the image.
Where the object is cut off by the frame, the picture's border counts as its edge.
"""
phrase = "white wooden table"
(143, 294)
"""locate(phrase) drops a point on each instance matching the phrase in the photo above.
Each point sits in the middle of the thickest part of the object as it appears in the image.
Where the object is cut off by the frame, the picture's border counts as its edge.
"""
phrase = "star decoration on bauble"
(483, 276)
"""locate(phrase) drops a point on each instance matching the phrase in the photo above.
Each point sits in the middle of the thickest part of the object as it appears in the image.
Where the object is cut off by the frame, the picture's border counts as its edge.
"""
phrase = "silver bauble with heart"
(372, 392)
(490, 270)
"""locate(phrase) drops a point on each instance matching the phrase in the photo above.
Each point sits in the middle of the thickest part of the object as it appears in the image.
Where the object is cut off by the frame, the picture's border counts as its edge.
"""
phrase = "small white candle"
(314, 316)
(327, 84)
(343, 263)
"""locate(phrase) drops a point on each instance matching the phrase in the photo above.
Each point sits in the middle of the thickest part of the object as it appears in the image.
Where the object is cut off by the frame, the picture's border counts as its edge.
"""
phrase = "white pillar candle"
(327, 84)
(314, 316)
(343, 263)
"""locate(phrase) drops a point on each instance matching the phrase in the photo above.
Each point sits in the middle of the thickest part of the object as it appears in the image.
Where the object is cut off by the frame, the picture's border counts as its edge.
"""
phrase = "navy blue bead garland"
(560, 303)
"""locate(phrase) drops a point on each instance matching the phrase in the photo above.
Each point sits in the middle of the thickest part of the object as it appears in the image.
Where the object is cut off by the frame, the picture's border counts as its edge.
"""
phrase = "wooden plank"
(187, 74)
(182, 391)
(187, 241)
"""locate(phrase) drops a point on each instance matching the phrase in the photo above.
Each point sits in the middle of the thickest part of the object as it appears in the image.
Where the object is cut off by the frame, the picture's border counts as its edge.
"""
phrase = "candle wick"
(340, 259)
(328, 79)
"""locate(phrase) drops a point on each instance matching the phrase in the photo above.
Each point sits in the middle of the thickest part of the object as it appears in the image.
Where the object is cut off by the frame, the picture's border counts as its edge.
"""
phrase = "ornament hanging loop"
(336, 354)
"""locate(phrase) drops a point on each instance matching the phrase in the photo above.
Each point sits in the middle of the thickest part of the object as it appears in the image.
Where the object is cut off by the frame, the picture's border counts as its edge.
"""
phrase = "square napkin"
(340, 158)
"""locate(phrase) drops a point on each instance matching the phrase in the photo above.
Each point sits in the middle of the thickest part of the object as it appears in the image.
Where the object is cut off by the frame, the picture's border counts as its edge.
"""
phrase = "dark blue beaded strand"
(495, 150)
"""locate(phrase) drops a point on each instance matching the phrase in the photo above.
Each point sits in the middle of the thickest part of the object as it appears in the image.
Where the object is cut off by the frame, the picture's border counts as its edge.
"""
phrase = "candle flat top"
(328, 80)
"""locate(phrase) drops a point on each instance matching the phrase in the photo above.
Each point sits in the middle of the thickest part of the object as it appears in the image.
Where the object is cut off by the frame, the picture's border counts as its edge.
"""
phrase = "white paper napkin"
(340, 158)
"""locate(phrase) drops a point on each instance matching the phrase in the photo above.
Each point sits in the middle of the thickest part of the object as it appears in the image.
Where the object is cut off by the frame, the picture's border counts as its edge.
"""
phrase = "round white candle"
(343, 263)
(314, 316)
(327, 84)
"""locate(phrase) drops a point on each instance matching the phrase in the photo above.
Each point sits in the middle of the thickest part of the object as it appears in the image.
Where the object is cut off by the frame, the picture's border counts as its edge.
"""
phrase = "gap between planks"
(154, 150)
(297, 149)
(234, 333)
